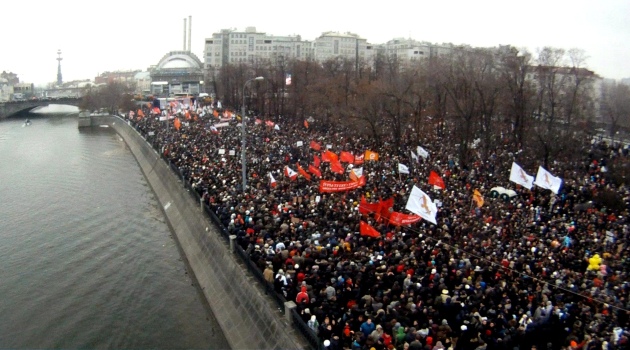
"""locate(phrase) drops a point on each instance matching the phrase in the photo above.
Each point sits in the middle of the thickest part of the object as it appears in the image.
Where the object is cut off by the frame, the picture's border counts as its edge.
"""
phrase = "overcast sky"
(98, 36)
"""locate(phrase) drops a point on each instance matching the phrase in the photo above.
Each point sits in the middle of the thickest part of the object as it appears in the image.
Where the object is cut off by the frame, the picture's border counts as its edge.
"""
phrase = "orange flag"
(478, 198)
(367, 230)
(436, 180)
(316, 146)
(306, 124)
(329, 156)
(369, 155)
(177, 124)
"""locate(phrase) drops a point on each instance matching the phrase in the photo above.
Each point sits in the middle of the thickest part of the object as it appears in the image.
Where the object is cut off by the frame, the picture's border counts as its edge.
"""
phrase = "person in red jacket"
(302, 297)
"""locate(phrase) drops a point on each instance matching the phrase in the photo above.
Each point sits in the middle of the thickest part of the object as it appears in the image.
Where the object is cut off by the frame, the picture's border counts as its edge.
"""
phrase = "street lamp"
(243, 140)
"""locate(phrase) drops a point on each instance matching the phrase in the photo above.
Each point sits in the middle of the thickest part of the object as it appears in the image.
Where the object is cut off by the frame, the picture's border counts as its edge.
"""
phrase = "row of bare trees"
(478, 99)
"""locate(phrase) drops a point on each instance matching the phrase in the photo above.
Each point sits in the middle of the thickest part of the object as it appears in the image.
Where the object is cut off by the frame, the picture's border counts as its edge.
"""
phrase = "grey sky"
(116, 35)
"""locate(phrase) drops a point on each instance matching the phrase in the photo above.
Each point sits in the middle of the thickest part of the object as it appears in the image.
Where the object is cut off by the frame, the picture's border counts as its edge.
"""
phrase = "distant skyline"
(116, 35)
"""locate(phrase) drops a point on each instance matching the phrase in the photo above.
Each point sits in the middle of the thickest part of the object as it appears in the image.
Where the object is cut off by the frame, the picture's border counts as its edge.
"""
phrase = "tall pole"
(243, 137)
(185, 28)
(189, 32)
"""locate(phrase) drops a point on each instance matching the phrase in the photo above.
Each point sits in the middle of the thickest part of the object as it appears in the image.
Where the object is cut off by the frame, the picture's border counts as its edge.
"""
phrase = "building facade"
(178, 73)
(343, 45)
(230, 46)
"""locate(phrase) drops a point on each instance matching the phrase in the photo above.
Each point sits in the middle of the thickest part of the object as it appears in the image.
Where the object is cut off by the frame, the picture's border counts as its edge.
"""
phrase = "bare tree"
(615, 106)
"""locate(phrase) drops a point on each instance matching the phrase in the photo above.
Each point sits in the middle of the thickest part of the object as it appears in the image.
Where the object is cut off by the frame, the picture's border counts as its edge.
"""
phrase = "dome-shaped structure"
(178, 73)
(179, 60)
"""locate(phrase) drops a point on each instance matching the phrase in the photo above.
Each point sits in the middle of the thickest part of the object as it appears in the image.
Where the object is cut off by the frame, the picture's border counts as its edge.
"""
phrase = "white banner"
(422, 152)
(547, 181)
(519, 176)
(403, 169)
(420, 203)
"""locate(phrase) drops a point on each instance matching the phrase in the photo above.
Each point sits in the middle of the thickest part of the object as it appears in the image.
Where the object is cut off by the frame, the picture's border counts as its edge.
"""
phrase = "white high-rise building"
(233, 47)
(348, 45)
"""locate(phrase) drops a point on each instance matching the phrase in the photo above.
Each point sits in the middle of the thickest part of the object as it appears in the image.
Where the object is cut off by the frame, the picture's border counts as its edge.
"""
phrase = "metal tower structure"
(59, 80)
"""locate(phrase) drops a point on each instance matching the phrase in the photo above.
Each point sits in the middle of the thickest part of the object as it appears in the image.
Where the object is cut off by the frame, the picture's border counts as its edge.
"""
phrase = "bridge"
(8, 109)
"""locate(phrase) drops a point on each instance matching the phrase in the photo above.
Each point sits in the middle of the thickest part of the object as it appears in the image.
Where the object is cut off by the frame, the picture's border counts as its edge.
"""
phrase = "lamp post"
(243, 140)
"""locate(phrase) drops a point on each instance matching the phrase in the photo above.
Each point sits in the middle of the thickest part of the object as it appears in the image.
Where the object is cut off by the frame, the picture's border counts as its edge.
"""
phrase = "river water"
(86, 257)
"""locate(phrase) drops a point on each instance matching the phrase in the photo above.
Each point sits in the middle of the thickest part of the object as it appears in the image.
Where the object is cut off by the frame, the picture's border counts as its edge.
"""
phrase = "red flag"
(316, 146)
(306, 124)
(316, 161)
(272, 181)
(303, 172)
(346, 157)
(336, 167)
(368, 208)
(314, 171)
(358, 160)
(387, 207)
(436, 180)
(269, 123)
(329, 156)
(400, 219)
(258, 121)
(367, 230)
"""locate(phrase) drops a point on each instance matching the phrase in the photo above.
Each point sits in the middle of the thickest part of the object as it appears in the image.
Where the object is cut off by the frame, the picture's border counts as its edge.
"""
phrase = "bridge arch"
(11, 108)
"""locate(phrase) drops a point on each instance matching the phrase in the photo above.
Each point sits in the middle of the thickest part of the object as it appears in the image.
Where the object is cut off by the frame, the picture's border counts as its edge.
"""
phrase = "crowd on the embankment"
(540, 270)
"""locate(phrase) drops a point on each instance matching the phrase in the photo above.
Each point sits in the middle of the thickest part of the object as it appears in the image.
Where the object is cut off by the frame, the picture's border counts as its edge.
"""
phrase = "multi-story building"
(121, 76)
(232, 47)
(26, 89)
(143, 82)
(348, 45)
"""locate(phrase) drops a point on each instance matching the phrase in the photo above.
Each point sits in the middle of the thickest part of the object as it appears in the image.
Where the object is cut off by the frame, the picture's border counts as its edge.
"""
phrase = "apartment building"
(230, 46)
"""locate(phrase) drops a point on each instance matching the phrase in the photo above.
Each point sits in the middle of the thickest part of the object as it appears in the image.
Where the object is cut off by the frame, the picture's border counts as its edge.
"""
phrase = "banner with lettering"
(326, 186)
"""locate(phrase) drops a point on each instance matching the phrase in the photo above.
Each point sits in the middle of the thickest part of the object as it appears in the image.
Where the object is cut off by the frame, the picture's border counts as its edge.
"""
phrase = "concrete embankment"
(244, 314)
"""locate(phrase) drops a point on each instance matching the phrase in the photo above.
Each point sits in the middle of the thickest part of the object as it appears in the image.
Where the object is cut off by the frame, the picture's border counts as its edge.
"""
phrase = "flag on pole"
(478, 198)
(403, 169)
(367, 230)
(177, 124)
(313, 170)
(303, 172)
(420, 203)
(346, 157)
(358, 159)
(316, 161)
(414, 157)
(356, 173)
(547, 181)
(290, 173)
(422, 152)
(436, 180)
(329, 156)
(519, 176)
(272, 181)
(336, 167)
(276, 127)
(316, 146)
(306, 124)
(369, 155)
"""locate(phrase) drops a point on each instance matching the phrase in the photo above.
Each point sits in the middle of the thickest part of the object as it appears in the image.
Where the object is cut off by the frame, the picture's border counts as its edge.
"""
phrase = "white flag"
(547, 181)
(272, 181)
(299, 143)
(414, 156)
(403, 169)
(358, 172)
(420, 203)
(276, 127)
(519, 176)
(290, 173)
(423, 152)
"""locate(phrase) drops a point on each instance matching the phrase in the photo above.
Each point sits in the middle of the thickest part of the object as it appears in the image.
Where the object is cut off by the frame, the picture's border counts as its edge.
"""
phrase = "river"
(87, 259)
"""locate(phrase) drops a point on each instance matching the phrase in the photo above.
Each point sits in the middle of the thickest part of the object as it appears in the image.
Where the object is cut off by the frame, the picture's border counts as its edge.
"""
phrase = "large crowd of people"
(539, 270)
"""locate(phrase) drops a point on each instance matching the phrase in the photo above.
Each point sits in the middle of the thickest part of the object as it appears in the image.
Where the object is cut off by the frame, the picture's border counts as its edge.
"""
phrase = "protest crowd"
(537, 270)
